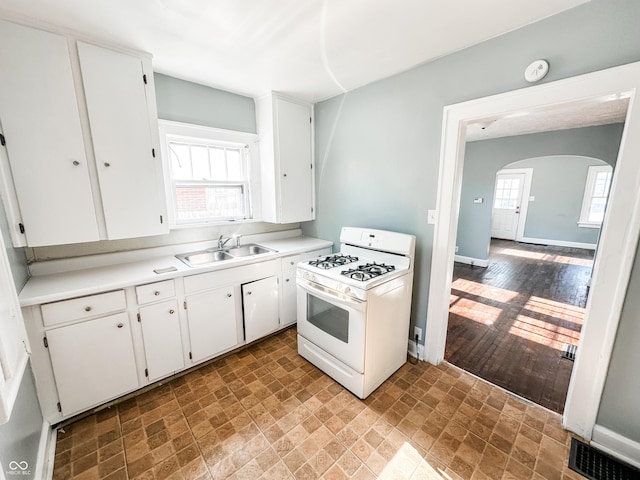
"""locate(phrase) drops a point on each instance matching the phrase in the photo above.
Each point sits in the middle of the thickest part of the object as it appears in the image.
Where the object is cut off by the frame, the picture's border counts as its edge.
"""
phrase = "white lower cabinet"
(260, 306)
(162, 339)
(212, 321)
(93, 361)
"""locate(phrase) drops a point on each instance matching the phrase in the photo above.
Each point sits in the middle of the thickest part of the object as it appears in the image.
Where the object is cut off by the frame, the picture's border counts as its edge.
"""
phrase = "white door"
(212, 322)
(507, 201)
(131, 189)
(260, 305)
(93, 361)
(44, 142)
(162, 339)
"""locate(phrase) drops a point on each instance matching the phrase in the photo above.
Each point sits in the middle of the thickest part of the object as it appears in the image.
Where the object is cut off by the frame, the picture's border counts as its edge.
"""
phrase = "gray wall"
(562, 177)
(620, 405)
(20, 437)
(182, 101)
(189, 102)
(378, 147)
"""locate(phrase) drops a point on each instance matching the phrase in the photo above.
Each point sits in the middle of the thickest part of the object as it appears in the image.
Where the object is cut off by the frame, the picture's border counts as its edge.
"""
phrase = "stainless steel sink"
(248, 250)
(204, 257)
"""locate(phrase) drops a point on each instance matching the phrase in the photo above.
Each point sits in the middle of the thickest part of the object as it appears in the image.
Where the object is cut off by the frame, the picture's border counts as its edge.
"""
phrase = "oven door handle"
(329, 295)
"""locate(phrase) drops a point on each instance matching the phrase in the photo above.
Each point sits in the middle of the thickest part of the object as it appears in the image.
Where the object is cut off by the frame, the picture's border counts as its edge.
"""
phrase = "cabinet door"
(162, 339)
(213, 326)
(260, 305)
(293, 147)
(41, 124)
(93, 362)
(288, 311)
(130, 184)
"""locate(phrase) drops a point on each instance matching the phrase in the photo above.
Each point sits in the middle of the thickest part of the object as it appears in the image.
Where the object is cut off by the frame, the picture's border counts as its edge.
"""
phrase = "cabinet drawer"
(290, 261)
(155, 291)
(82, 307)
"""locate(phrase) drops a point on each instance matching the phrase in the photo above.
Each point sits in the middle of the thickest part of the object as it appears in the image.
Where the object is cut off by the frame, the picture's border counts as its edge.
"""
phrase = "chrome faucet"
(222, 242)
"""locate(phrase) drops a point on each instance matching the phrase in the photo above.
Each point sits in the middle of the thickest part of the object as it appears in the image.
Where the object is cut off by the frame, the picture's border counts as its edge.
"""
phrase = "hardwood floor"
(509, 322)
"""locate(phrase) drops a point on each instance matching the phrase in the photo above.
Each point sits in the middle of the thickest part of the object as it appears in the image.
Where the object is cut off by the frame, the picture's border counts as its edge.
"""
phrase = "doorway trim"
(619, 235)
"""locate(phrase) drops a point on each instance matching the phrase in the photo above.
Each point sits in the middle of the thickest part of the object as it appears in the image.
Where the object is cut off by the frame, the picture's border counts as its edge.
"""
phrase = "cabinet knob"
(292, 263)
(75, 163)
(248, 293)
(171, 312)
(156, 293)
(285, 174)
(228, 295)
(286, 279)
(120, 325)
(87, 309)
(107, 164)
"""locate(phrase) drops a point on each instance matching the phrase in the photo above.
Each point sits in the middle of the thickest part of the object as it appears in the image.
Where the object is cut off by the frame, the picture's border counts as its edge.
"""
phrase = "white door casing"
(619, 234)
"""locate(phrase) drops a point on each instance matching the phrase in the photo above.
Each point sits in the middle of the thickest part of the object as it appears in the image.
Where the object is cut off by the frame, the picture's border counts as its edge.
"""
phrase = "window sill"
(589, 225)
(222, 223)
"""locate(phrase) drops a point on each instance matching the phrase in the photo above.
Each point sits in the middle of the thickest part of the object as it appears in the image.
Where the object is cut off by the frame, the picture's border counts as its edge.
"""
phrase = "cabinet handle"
(156, 293)
(228, 295)
(171, 312)
(107, 164)
(87, 309)
(76, 163)
(285, 174)
(286, 279)
(248, 293)
(120, 325)
(292, 263)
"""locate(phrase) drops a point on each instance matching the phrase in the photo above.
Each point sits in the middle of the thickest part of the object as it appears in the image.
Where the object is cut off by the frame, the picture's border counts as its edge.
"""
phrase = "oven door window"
(329, 318)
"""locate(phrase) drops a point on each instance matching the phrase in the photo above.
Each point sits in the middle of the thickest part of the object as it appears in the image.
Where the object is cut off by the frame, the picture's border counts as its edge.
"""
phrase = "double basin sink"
(214, 255)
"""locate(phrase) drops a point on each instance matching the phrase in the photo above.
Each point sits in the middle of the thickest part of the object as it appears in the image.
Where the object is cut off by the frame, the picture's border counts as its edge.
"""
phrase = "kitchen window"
(209, 174)
(596, 193)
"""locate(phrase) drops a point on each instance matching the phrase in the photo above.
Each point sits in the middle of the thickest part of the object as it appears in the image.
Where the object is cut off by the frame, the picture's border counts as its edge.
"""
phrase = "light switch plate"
(431, 217)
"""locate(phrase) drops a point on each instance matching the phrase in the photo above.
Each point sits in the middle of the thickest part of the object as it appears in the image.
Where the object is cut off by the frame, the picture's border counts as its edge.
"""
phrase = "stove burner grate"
(368, 271)
(333, 261)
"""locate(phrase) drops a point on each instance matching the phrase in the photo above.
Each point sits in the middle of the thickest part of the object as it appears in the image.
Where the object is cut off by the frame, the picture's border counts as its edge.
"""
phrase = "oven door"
(333, 322)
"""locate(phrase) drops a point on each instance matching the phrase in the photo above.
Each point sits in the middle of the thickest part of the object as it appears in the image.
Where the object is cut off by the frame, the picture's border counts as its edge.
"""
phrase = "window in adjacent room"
(208, 173)
(596, 193)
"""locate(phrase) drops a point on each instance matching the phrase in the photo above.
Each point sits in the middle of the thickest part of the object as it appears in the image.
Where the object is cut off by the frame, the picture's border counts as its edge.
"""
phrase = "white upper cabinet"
(285, 127)
(41, 125)
(114, 85)
(80, 122)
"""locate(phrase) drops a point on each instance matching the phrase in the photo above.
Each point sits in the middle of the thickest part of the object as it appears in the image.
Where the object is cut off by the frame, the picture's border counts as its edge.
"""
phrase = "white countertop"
(49, 287)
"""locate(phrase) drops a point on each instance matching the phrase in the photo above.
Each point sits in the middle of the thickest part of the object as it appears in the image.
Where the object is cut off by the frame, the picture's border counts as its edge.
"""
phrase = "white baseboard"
(46, 452)
(616, 445)
(557, 243)
(476, 262)
(412, 350)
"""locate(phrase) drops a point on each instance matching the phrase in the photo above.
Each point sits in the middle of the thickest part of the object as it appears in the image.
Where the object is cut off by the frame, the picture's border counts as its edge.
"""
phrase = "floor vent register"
(569, 351)
(596, 465)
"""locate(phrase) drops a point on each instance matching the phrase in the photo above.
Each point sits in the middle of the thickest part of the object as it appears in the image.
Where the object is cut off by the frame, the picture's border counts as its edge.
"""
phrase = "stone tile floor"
(267, 413)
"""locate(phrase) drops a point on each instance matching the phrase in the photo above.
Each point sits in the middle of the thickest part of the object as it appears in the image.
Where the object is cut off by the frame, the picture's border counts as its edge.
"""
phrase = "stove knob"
(347, 290)
(313, 278)
(305, 275)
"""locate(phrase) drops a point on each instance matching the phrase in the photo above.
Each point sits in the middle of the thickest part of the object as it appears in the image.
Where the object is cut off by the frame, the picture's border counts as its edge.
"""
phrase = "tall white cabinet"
(79, 126)
(285, 128)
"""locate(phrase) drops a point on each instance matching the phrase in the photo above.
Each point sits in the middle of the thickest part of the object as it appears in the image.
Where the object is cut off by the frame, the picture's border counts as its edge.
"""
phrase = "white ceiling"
(585, 113)
(311, 49)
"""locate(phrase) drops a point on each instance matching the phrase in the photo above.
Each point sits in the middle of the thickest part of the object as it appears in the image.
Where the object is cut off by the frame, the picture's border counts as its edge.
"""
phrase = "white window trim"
(194, 133)
(588, 194)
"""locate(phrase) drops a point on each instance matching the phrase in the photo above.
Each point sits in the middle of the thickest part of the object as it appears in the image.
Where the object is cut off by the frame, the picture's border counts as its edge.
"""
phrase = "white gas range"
(354, 308)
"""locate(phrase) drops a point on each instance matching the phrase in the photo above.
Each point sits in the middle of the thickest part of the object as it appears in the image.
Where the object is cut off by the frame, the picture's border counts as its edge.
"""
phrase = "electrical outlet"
(417, 331)
(457, 248)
